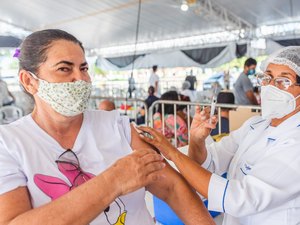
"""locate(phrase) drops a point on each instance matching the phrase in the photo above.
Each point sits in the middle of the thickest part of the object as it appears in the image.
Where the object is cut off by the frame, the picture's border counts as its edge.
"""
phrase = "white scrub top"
(263, 174)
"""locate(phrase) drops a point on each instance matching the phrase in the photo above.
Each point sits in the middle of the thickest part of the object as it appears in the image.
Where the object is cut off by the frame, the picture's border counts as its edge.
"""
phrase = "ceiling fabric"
(289, 42)
(241, 50)
(102, 24)
(123, 61)
(9, 42)
(105, 23)
(163, 59)
(203, 55)
(169, 59)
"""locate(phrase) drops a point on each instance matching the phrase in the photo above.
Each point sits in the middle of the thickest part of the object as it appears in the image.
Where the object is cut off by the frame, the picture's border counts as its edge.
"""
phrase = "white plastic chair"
(9, 114)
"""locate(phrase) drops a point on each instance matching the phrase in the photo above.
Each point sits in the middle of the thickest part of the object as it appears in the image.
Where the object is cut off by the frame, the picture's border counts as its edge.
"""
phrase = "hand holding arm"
(200, 129)
(197, 176)
(84, 203)
(173, 189)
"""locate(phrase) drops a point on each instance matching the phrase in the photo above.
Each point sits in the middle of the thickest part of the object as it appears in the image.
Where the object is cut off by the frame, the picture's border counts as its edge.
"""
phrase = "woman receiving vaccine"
(63, 164)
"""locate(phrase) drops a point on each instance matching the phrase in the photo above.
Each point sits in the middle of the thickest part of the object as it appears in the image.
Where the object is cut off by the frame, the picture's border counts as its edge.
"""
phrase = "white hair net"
(288, 56)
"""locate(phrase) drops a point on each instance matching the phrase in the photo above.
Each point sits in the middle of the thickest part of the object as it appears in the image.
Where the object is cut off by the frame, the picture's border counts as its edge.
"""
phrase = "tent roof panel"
(113, 22)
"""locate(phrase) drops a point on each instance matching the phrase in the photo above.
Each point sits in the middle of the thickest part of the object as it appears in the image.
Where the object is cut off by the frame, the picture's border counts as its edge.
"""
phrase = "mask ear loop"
(33, 75)
(297, 107)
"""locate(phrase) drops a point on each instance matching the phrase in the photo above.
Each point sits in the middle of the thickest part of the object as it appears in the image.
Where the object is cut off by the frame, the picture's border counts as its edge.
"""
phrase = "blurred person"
(6, 97)
(151, 97)
(216, 88)
(226, 80)
(192, 80)
(256, 91)
(149, 101)
(154, 81)
(107, 105)
(131, 85)
(186, 91)
(243, 87)
(172, 88)
(63, 164)
(223, 98)
(169, 120)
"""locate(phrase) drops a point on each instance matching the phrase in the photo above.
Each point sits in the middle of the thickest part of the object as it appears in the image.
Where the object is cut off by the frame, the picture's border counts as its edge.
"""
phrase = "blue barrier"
(165, 215)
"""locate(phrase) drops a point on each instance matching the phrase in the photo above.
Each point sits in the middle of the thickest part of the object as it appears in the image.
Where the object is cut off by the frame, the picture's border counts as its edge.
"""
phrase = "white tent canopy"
(106, 23)
(111, 24)
(163, 59)
(176, 58)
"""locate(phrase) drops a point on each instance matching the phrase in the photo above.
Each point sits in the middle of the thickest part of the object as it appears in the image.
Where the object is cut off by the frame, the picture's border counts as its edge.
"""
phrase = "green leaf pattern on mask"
(68, 99)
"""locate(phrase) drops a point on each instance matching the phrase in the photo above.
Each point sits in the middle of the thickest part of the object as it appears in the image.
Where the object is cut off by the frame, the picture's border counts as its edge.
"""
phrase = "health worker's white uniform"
(263, 174)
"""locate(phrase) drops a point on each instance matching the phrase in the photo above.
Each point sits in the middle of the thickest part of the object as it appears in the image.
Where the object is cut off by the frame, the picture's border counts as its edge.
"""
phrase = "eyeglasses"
(68, 164)
(282, 83)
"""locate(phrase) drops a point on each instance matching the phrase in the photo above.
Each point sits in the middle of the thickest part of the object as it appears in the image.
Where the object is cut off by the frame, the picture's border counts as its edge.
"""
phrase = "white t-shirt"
(28, 154)
(191, 94)
(152, 80)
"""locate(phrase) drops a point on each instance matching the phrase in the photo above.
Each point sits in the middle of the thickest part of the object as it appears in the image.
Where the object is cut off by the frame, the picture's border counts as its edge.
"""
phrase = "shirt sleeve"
(124, 127)
(272, 182)
(220, 154)
(11, 173)
(247, 85)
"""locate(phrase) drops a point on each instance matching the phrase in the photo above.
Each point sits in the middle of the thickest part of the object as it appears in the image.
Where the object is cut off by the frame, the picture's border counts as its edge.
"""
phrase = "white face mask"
(68, 99)
(276, 103)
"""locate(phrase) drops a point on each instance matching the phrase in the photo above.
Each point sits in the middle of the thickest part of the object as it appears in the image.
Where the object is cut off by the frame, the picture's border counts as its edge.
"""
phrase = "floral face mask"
(68, 98)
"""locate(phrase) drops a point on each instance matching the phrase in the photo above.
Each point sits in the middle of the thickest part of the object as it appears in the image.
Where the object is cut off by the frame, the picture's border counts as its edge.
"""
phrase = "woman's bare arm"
(84, 203)
(175, 191)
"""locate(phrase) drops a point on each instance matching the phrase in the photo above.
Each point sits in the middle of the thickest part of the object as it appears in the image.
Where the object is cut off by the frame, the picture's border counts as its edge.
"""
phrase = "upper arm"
(14, 196)
(222, 152)
(14, 203)
(160, 188)
(250, 95)
(175, 191)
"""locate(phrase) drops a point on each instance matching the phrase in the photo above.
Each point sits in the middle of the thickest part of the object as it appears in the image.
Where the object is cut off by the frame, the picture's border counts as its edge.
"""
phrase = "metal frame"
(125, 100)
(189, 104)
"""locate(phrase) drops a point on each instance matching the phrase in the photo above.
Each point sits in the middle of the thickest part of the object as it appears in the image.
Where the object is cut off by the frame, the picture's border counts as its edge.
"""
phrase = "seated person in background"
(181, 126)
(149, 101)
(182, 109)
(151, 98)
(187, 92)
(6, 97)
(223, 98)
(192, 80)
(107, 105)
(256, 92)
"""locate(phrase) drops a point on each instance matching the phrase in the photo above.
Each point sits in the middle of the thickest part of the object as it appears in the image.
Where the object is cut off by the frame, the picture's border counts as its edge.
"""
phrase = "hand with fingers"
(159, 141)
(138, 170)
(202, 124)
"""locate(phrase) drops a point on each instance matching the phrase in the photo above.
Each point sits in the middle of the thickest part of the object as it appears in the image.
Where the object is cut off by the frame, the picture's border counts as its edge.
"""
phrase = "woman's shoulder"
(18, 129)
(23, 122)
(101, 114)
(101, 118)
